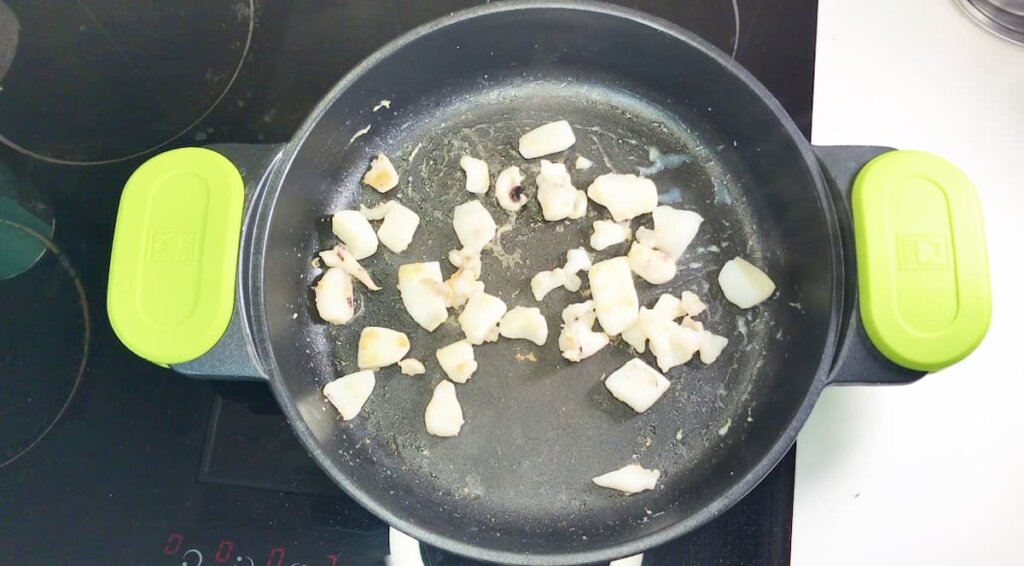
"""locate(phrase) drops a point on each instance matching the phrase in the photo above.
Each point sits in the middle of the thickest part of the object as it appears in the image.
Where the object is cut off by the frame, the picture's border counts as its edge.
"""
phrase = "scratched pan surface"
(515, 485)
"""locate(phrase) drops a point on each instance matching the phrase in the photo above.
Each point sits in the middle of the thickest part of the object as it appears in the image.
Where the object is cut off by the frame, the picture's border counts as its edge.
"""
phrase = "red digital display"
(224, 550)
(276, 557)
(173, 544)
(225, 553)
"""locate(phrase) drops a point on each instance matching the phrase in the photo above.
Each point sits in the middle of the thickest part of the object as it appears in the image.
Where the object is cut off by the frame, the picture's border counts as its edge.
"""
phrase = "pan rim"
(741, 486)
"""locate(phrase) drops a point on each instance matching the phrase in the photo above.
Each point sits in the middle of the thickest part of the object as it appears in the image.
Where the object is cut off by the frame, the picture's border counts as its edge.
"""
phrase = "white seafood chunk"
(339, 256)
(645, 237)
(576, 260)
(412, 366)
(675, 229)
(546, 281)
(580, 313)
(457, 361)
(672, 344)
(423, 293)
(398, 228)
(578, 343)
(572, 282)
(637, 385)
(378, 212)
(582, 163)
(349, 393)
(691, 304)
(578, 340)
(465, 282)
(557, 196)
(525, 323)
(508, 187)
(335, 297)
(547, 139)
(743, 284)
(380, 347)
(382, 175)
(467, 260)
(354, 230)
(473, 225)
(630, 479)
(646, 322)
(459, 257)
(650, 264)
(668, 307)
(608, 233)
(654, 253)
(479, 319)
(443, 416)
(635, 336)
(711, 347)
(615, 299)
(625, 196)
(692, 323)
(478, 179)
(579, 206)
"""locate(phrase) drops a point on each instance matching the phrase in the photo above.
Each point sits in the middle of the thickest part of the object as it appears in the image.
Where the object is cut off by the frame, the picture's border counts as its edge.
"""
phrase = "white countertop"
(930, 473)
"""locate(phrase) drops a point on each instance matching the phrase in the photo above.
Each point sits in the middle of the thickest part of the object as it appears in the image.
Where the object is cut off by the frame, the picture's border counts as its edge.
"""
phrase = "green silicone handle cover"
(921, 259)
(175, 256)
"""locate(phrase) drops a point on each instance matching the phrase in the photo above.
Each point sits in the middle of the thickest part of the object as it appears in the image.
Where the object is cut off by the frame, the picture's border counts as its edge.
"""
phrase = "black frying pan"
(514, 486)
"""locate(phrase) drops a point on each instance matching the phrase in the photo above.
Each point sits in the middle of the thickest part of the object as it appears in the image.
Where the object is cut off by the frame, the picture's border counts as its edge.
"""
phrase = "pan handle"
(174, 295)
(917, 288)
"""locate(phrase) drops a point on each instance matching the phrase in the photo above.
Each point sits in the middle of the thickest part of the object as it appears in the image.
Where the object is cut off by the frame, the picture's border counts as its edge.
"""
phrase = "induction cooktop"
(107, 459)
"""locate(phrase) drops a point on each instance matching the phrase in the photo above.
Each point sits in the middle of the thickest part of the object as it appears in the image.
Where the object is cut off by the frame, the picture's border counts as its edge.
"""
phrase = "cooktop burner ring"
(86, 340)
(158, 122)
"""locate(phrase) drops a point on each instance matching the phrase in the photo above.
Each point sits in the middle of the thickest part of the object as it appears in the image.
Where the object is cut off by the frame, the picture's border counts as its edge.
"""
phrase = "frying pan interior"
(517, 479)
